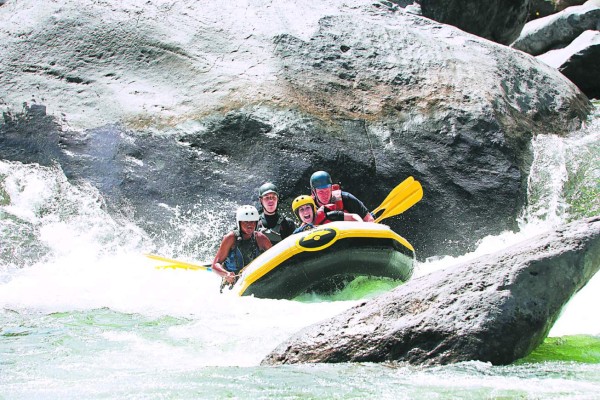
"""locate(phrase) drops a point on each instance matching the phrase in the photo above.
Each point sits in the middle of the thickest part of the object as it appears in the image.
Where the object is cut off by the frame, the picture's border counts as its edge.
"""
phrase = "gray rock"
(497, 308)
(372, 73)
(580, 62)
(540, 9)
(500, 20)
(191, 103)
(558, 30)
(562, 4)
(414, 8)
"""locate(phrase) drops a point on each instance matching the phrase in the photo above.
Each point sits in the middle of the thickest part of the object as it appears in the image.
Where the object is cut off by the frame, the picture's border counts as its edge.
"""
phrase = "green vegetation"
(578, 348)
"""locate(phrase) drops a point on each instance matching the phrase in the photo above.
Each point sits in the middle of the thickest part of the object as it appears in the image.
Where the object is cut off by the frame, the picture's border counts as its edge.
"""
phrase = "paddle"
(176, 264)
(400, 199)
(395, 191)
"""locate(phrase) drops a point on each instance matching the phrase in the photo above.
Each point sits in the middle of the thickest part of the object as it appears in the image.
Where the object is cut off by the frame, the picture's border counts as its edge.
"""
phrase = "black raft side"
(375, 257)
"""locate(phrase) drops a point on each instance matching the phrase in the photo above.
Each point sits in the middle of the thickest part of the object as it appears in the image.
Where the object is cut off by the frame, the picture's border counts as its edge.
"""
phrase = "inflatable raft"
(338, 249)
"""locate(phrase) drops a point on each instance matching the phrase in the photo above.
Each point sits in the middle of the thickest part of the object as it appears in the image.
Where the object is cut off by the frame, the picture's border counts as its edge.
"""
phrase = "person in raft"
(240, 246)
(305, 209)
(332, 198)
(276, 226)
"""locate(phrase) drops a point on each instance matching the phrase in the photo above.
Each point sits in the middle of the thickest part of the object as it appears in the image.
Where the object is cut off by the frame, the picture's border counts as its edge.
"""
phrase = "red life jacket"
(321, 217)
(322, 214)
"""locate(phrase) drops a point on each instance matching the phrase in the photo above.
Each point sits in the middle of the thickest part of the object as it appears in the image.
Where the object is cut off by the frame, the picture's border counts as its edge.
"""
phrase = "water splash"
(196, 233)
(43, 215)
(564, 180)
(563, 185)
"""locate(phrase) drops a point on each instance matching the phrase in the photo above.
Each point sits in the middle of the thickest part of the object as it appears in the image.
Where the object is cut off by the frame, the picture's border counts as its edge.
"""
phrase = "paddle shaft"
(175, 264)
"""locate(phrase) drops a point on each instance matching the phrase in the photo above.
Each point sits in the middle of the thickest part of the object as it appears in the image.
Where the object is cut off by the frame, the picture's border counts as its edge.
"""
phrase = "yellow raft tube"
(343, 248)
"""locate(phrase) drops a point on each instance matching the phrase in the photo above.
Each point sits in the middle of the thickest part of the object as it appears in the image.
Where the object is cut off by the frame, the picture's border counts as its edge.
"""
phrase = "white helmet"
(246, 213)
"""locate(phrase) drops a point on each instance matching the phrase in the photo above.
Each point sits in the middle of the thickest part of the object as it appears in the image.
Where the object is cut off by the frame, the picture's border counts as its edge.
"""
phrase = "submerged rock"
(497, 308)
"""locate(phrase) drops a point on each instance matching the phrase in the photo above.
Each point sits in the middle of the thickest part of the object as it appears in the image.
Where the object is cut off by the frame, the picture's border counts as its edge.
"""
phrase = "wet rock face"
(500, 21)
(582, 66)
(562, 4)
(567, 41)
(497, 308)
(541, 8)
(156, 106)
(579, 61)
(558, 30)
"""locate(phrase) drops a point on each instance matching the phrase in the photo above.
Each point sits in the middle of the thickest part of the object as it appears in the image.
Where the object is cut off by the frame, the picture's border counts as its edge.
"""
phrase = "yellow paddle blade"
(402, 201)
(405, 184)
(176, 264)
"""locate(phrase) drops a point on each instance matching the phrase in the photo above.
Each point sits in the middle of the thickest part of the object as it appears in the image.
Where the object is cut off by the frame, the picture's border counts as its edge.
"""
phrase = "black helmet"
(267, 188)
(320, 180)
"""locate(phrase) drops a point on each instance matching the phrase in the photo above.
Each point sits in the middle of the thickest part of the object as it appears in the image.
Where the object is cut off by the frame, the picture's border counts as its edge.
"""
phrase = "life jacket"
(323, 214)
(274, 233)
(241, 254)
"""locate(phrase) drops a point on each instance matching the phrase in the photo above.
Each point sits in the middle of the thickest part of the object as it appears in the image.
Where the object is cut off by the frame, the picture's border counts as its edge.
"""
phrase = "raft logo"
(318, 240)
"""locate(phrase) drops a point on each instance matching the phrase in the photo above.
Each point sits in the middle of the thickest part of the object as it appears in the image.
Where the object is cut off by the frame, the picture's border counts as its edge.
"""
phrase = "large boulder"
(500, 20)
(562, 4)
(540, 9)
(580, 62)
(558, 30)
(543, 8)
(171, 107)
(497, 308)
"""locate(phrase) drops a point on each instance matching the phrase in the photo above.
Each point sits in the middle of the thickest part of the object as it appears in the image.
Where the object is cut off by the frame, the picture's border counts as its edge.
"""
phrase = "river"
(83, 314)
